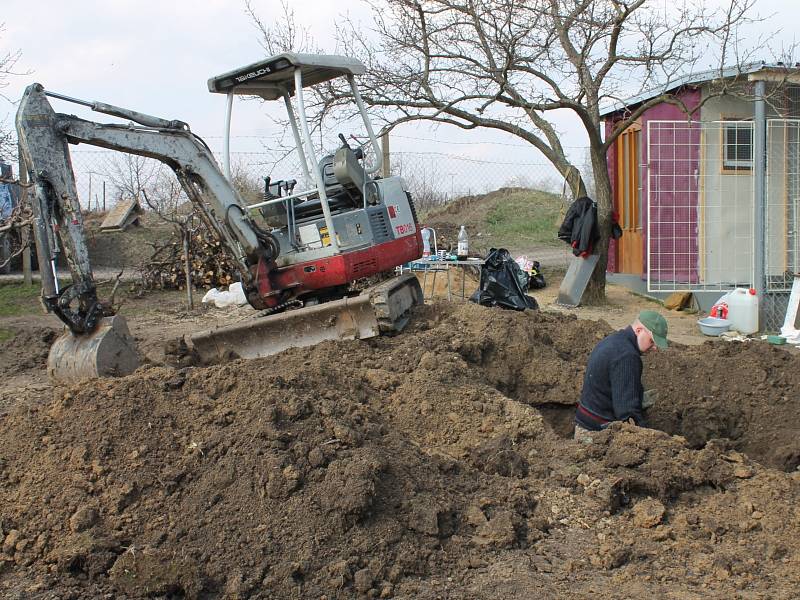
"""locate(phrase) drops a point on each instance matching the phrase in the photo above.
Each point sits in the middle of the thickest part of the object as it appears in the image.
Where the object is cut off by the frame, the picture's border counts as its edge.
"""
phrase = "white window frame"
(736, 164)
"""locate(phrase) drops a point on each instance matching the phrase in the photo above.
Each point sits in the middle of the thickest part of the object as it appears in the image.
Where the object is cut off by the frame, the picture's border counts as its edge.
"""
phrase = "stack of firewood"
(209, 265)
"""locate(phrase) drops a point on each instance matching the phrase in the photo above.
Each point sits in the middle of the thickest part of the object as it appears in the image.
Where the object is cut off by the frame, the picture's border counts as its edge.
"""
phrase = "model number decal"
(404, 229)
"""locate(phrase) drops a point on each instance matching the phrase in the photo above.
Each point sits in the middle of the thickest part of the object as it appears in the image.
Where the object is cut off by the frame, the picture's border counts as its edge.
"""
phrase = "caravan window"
(737, 146)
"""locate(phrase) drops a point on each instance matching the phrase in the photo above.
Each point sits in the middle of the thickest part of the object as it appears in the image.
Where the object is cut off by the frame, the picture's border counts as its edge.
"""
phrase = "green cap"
(657, 326)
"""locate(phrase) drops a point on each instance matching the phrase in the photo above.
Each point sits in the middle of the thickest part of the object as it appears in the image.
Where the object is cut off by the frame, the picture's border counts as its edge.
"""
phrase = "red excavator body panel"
(280, 284)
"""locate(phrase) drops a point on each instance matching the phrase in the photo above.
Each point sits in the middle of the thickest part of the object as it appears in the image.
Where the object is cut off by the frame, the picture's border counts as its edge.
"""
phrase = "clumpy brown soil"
(744, 392)
(27, 349)
(417, 466)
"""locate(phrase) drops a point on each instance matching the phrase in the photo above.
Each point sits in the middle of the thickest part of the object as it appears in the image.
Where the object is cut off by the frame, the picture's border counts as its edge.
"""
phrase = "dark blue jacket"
(612, 386)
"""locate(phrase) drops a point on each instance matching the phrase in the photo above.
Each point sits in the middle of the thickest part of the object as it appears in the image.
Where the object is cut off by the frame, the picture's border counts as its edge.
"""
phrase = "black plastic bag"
(503, 283)
(536, 281)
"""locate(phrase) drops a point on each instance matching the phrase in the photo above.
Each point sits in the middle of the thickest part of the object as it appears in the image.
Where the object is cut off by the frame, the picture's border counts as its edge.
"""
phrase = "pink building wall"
(672, 165)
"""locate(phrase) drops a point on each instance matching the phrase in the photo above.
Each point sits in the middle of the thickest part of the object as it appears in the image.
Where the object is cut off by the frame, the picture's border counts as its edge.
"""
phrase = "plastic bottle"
(719, 310)
(743, 310)
(426, 242)
(463, 244)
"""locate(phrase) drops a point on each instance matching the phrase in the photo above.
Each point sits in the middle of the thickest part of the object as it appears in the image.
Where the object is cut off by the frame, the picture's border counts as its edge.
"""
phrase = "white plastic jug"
(743, 310)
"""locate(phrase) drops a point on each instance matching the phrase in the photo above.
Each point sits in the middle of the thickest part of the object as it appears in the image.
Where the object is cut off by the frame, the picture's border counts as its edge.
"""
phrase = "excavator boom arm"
(44, 135)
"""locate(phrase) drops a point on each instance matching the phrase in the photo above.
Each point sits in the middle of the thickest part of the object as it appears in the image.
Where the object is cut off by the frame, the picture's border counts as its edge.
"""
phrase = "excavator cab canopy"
(283, 76)
(270, 78)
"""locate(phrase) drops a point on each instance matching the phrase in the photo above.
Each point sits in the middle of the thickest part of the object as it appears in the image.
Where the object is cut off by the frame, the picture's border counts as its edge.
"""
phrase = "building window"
(737, 146)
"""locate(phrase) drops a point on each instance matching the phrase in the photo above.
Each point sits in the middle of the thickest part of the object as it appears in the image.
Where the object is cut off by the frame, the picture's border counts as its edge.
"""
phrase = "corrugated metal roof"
(695, 79)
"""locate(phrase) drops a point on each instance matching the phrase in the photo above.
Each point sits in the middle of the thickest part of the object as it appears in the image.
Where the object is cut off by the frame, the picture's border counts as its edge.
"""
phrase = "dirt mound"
(28, 349)
(415, 466)
(127, 249)
(470, 211)
(524, 221)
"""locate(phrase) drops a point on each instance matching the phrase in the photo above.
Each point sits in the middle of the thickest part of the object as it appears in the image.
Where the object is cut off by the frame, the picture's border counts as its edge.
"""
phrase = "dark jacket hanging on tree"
(579, 228)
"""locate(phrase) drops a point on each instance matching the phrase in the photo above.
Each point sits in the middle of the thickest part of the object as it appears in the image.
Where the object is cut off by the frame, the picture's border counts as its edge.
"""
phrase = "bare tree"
(132, 175)
(15, 229)
(282, 34)
(167, 200)
(250, 186)
(15, 234)
(512, 65)
(8, 138)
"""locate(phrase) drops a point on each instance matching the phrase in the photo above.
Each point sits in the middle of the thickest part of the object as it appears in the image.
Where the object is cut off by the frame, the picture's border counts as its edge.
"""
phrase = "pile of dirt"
(470, 211)
(415, 466)
(522, 220)
(27, 349)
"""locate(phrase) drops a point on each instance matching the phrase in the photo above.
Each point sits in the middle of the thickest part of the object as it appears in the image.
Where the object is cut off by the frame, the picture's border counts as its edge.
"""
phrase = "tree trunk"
(596, 290)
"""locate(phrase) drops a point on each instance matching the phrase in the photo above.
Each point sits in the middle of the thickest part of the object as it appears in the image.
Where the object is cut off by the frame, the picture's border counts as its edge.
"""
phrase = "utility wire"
(404, 137)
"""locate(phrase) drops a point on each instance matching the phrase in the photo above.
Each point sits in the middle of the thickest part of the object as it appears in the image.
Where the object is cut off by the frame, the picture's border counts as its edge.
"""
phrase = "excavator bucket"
(107, 352)
(385, 308)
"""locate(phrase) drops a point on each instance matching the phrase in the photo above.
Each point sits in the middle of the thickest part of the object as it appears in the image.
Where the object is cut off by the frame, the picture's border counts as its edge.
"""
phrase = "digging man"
(612, 387)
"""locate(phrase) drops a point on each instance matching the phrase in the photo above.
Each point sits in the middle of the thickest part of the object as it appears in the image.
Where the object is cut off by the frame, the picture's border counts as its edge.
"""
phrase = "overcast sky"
(155, 56)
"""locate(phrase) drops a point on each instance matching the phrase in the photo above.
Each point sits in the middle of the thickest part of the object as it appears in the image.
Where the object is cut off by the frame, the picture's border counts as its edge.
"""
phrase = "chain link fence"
(781, 218)
(706, 245)
(700, 190)
(702, 202)
(104, 177)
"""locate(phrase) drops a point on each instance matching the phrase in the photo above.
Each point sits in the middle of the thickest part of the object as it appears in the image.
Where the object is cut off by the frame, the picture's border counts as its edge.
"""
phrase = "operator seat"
(344, 178)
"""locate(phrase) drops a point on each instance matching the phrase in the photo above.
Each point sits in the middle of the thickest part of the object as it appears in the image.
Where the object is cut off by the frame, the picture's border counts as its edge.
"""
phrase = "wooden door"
(628, 200)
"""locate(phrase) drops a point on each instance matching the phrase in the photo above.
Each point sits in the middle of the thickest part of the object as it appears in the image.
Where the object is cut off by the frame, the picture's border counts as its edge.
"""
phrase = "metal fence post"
(386, 169)
(759, 201)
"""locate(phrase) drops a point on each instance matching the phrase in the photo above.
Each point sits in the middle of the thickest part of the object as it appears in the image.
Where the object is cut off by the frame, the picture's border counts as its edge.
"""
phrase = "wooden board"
(124, 214)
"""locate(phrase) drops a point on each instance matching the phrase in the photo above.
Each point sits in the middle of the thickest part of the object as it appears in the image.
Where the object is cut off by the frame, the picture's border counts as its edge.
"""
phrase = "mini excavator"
(296, 251)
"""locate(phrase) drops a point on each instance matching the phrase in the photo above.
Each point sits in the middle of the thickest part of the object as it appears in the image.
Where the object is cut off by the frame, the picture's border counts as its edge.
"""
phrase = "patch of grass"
(6, 334)
(526, 218)
(19, 299)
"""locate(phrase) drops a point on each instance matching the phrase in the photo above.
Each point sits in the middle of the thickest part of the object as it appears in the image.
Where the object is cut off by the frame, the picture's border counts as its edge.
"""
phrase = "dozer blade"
(107, 352)
(384, 308)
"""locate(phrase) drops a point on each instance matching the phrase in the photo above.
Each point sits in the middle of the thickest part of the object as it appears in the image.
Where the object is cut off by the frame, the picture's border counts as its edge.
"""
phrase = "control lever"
(359, 152)
(272, 190)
